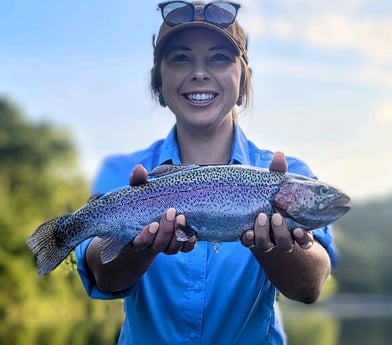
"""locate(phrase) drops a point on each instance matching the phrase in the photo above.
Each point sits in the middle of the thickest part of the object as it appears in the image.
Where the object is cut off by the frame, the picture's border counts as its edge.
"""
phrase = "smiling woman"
(176, 291)
(201, 78)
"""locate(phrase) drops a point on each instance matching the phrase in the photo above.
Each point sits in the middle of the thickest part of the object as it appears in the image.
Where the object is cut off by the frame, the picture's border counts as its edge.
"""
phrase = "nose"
(199, 72)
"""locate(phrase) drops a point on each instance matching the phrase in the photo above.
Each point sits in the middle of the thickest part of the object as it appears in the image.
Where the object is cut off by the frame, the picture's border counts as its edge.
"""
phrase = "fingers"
(278, 162)
(303, 238)
(161, 237)
(275, 235)
(138, 176)
(165, 233)
(260, 237)
(188, 245)
(146, 237)
(283, 239)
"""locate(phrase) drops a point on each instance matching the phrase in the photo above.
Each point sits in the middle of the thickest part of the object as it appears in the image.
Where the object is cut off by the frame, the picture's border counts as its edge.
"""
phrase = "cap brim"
(193, 25)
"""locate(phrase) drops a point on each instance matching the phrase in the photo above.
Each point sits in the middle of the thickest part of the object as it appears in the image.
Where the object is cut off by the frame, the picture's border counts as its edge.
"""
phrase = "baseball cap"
(217, 16)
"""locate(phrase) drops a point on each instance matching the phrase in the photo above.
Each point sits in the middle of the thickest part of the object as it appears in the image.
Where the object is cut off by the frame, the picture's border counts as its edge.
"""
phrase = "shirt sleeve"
(325, 237)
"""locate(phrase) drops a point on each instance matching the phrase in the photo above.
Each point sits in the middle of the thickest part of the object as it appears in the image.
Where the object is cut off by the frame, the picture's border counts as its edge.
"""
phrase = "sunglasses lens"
(220, 13)
(175, 13)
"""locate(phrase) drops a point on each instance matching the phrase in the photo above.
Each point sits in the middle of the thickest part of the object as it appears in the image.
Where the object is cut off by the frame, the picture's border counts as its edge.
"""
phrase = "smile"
(200, 98)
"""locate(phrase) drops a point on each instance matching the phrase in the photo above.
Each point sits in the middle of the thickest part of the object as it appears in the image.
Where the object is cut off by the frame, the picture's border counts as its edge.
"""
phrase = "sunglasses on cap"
(219, 13)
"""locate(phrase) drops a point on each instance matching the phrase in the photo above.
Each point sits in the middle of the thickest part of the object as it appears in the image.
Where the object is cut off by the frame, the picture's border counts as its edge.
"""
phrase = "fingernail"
(170, 214)
(250, 235)
(180, 220)
(298, 233)
(262, 219)
(277, 219)
(153, 228)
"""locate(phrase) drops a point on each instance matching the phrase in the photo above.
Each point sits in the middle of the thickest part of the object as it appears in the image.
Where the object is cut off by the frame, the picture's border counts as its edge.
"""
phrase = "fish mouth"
(342, 200)
(340, 204)
(200, 98)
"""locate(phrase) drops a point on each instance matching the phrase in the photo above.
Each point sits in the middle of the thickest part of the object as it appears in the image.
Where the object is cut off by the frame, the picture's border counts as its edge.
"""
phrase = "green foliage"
(363, 237)
(39, 180)
(305, 325)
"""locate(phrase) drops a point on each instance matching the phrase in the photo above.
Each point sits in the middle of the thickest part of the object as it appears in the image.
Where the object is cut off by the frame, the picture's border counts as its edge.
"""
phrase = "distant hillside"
(364, 239)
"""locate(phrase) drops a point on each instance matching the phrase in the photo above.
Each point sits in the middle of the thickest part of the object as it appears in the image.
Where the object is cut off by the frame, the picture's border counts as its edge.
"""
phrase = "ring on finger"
(307, 245)
(270, 248)
(290, 249)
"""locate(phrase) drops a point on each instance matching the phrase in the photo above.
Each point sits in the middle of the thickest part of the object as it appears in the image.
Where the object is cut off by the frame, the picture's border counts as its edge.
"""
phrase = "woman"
(183, 293)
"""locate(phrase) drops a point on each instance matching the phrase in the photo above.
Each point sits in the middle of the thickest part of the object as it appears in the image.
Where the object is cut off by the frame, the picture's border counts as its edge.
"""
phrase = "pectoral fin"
(110, 248)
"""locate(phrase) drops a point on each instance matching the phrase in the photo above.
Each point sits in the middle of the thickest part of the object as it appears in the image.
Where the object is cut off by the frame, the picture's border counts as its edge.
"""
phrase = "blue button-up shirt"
(200, 297)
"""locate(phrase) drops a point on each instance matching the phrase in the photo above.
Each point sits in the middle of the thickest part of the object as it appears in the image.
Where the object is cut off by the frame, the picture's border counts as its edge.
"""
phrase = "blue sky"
(322, 79)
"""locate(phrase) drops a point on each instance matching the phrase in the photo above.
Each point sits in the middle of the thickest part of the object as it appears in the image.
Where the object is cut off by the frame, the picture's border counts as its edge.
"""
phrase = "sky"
(322, 80)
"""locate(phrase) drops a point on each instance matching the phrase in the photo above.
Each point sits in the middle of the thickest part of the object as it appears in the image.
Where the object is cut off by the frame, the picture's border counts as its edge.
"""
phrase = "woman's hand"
(118, 274)
(160, 237)
(274, 235)
(295, 263)
(269, 235)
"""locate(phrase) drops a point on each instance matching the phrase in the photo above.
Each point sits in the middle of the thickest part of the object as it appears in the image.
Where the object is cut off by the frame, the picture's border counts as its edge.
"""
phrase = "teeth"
(200, 97)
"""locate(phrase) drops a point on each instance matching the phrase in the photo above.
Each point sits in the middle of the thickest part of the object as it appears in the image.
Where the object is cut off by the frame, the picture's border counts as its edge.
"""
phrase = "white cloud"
(383, 116)
(371, 37)
(335, 27)
(331, 25)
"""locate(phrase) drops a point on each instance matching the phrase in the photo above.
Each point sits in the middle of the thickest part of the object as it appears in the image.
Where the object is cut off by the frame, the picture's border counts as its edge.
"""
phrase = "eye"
(323, 190)
(177, 56)
(180, 58)
(221, 57)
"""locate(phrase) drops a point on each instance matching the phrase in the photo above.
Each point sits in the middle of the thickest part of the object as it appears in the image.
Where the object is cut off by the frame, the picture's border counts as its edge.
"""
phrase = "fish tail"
(46, 247)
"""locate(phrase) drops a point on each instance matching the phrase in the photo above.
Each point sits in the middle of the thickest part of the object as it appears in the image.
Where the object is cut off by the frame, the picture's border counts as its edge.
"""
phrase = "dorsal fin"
(95, 197)
(168, 169)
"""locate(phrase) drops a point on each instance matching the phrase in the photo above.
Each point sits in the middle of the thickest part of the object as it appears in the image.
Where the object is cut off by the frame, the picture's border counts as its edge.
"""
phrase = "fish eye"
(323, 190)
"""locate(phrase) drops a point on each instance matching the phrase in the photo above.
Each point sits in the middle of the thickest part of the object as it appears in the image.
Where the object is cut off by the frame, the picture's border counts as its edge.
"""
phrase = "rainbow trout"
(219, 203)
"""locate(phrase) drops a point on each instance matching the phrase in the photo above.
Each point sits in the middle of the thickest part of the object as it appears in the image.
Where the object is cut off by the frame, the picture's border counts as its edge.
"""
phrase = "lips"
(200, 98)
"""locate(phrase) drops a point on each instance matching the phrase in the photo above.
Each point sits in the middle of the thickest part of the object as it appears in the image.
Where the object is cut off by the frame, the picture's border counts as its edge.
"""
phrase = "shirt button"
(193, 335)
(196, 287)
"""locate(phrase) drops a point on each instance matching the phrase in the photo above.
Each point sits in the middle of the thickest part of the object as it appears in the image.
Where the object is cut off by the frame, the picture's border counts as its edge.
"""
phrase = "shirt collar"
(170, 153)
(239, 151)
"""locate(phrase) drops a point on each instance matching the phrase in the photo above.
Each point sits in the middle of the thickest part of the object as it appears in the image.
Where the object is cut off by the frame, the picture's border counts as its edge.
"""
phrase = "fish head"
(308, 203)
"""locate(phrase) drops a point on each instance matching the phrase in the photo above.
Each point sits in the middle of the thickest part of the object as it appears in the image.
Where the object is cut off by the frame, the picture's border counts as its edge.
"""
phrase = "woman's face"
(200, 78)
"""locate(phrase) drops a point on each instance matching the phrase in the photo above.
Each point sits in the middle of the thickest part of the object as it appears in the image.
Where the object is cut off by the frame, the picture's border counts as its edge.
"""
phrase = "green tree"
(39, 180)
(363, 237)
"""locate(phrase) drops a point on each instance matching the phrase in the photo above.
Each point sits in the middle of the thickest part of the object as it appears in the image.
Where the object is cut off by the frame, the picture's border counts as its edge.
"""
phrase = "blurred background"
(74, 87)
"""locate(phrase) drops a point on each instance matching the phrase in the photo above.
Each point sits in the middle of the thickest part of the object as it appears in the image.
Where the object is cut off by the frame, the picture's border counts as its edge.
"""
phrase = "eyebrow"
(185, 48)
(174, 47)
(221, 47)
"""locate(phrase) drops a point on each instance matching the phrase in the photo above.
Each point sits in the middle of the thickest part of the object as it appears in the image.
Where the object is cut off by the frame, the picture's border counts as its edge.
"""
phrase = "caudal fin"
(46, 248)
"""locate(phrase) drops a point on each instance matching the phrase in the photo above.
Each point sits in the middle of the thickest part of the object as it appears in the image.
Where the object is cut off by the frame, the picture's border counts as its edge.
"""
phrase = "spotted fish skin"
(219, 203)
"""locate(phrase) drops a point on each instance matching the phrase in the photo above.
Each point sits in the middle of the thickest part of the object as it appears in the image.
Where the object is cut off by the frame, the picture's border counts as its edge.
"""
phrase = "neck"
(206, 146)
